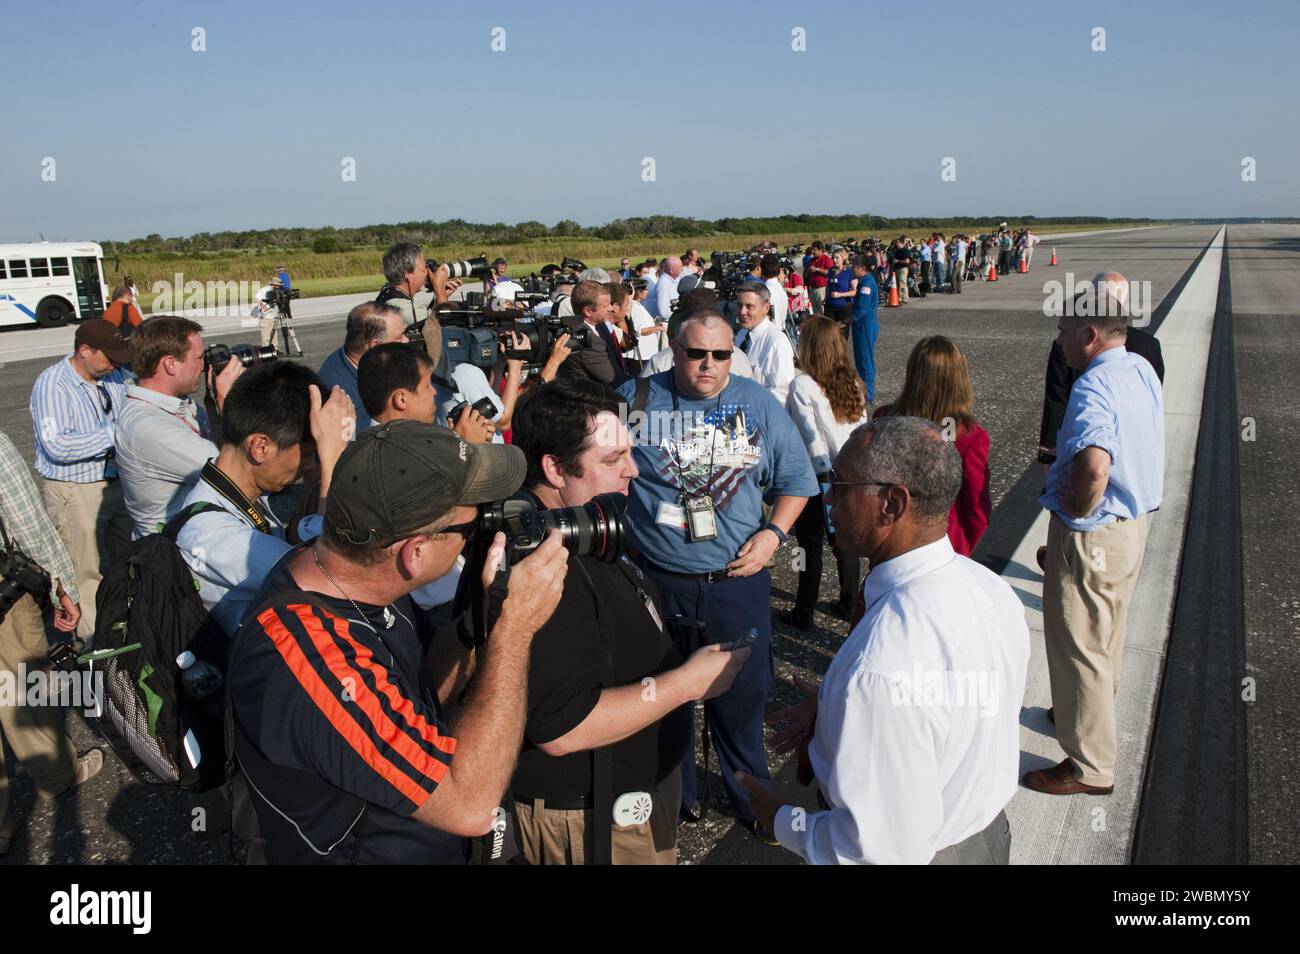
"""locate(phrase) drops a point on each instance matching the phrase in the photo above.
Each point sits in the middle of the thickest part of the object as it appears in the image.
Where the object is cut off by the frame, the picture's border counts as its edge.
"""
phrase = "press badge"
(702, 519)
(671, 515)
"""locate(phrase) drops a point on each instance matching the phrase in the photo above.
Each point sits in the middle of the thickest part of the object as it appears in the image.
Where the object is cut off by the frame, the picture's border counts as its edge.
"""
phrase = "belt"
(712, 576)
(571, 804)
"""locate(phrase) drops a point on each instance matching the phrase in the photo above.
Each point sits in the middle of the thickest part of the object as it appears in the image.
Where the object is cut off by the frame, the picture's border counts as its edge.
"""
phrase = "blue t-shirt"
(867, 299)
(840, 282)
(284, 277)
(753, 447)
(337, 369)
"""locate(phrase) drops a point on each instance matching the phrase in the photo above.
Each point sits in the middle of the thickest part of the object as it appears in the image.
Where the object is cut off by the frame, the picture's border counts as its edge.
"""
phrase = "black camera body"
(20, 575)
(483, 405)
(217, 356)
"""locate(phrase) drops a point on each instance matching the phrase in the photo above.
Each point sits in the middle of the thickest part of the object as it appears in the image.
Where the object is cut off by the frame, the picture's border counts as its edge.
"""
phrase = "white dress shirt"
(780, 301)
(823, 434)
(640, 319)
(917, 742)
(772, 356)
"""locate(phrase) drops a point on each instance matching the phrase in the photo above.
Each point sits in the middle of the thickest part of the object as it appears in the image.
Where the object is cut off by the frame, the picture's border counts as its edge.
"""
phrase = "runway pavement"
(1006, 338)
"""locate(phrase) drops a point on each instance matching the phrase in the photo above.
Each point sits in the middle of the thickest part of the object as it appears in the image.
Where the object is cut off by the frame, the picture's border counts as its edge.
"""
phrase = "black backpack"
(148, 610)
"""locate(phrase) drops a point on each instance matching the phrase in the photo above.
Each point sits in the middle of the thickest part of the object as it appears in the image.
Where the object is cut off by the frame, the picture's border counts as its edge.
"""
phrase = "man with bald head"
(1107, 477)
(914, 734)
(666, 288)
(1060, 376)
(711, 447)
(368, 325)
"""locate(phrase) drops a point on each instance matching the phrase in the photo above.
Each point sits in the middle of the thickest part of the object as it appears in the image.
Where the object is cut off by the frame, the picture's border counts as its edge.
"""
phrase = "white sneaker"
(89, 765)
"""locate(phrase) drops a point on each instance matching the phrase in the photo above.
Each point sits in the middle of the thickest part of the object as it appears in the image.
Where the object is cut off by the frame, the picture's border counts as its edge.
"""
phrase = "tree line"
(459, 232)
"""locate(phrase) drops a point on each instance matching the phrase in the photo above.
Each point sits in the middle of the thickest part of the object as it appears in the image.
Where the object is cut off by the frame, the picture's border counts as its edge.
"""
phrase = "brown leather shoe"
(1060, 780)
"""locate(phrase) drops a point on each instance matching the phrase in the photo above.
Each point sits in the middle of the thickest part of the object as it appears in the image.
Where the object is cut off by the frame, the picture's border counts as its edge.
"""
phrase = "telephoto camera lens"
(595, 529)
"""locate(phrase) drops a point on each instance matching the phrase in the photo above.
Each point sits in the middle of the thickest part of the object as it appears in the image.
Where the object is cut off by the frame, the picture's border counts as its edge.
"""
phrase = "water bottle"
(202, 683)
(199, 678)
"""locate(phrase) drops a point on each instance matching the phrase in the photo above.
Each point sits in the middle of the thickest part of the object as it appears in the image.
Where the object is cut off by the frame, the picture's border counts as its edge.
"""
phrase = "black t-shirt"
(902, 257)
(600, 636)
(337, 731)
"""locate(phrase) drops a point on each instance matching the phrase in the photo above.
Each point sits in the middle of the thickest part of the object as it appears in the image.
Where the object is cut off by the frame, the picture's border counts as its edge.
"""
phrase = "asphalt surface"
(1006, 338)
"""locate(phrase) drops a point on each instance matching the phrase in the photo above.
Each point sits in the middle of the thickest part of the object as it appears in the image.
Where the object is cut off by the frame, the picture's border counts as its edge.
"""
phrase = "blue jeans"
(730, 608)
(938, 275)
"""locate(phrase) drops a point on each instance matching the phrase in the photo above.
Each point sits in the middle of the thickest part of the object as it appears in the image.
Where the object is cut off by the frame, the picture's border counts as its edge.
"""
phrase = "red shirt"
(816, 280)
(969, 516)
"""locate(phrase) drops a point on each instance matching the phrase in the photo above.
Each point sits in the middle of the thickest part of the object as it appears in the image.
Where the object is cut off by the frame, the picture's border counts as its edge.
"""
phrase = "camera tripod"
(282, 325)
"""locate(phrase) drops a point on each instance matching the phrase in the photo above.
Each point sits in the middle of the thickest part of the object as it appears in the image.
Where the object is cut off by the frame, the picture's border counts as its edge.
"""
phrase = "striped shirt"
(73, 420)
(334, 719)
(27, 523)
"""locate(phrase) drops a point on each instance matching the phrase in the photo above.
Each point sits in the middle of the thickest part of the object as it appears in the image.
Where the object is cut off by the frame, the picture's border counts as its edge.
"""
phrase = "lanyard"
(223, 485)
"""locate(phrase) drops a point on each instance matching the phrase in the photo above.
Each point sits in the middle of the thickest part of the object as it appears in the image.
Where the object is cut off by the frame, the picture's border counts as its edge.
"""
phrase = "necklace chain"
(320, 566)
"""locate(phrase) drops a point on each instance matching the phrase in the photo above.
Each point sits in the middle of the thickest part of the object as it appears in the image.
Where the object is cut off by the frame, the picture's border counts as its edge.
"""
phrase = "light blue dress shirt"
(1117, 405)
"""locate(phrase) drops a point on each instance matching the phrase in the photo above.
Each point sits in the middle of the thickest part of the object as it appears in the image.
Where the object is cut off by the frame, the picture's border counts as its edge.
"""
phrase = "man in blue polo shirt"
(710, 449)
(368, 325)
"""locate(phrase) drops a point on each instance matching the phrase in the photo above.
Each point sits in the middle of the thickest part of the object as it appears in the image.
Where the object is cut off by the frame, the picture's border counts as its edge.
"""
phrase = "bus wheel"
(53, 313)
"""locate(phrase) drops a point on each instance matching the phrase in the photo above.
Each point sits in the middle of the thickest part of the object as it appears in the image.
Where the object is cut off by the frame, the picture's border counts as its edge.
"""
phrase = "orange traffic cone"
(893, 295)
(993, 273)
(1024, 265)
(1053, 261)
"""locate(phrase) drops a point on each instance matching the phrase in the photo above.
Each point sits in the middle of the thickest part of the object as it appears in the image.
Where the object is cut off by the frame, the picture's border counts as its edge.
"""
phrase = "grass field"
(345, 273)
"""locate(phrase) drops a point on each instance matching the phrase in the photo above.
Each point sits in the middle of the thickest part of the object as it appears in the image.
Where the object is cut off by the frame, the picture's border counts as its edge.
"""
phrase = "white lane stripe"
(1085, 829)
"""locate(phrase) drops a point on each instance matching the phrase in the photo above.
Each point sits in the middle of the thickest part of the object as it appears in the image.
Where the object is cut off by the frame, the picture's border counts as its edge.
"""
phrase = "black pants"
(810, 531)
(1004, 262)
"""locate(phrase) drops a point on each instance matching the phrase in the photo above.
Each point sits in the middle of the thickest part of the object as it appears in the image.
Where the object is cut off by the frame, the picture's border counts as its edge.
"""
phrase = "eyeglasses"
(835, 481)
(105, 399)
(697, 354)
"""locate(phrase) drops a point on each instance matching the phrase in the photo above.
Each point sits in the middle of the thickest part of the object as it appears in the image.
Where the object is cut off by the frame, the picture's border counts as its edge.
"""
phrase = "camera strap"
(223, 485)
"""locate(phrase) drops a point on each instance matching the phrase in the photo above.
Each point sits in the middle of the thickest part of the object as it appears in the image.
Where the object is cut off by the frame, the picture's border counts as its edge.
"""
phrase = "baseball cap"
(102, 336)
(399, 477)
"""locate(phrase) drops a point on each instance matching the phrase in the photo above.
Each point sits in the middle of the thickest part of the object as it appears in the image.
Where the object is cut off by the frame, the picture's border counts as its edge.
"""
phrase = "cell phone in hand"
(748, 639)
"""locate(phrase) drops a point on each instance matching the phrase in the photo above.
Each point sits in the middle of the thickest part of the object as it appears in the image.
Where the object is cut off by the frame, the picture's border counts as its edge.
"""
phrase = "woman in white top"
(827, 401)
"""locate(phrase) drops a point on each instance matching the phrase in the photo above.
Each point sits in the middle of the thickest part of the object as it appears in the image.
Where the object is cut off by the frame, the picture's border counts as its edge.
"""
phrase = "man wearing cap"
(348, 746)
(74, 406)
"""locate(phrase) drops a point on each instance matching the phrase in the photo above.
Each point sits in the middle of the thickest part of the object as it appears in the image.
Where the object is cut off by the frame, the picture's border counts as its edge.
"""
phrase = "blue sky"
(150, 136)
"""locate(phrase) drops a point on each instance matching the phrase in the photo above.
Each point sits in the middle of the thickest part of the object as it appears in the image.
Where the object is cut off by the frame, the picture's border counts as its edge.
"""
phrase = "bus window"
(17, 268)
(40, 268)
(59, 266)
(3, 275)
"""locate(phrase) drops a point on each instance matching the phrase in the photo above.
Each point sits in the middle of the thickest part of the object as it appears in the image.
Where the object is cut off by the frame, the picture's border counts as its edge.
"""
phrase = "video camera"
(472, 336)
(280, 298)
(217, 356)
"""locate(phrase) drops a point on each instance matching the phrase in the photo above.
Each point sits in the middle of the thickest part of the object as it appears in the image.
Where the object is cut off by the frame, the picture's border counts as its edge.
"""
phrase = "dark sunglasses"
(465, 531)
(105, 399)
(697, 354)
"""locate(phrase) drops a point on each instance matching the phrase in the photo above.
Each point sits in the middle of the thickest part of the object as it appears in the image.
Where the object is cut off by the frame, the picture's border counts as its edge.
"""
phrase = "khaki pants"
(1087, 588)
(93, 524)
(35, 733)
(550, 836)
